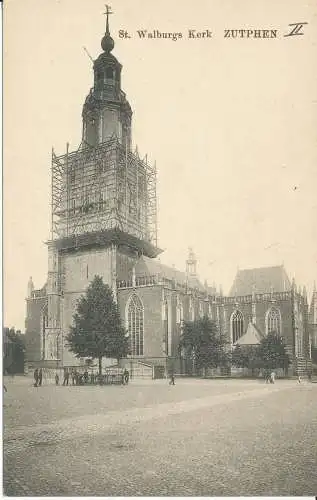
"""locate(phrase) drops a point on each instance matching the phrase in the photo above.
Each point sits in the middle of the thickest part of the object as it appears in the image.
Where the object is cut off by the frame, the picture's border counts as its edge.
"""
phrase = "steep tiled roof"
(262, 278)
(253, 336)
(150, 267)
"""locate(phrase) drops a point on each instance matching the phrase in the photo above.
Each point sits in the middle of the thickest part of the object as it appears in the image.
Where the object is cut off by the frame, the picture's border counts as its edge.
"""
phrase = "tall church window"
(135, 320)
(179, 312)
(191, 310)
(209, 311)
(201, 310)
(236, 326)
(273, 321)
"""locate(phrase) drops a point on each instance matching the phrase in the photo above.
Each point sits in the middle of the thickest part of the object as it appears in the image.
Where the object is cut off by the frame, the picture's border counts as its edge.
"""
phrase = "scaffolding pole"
(101, 188)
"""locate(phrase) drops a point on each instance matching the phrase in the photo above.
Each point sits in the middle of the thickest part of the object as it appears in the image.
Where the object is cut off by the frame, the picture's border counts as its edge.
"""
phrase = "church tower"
(106, 111)
(103, 203)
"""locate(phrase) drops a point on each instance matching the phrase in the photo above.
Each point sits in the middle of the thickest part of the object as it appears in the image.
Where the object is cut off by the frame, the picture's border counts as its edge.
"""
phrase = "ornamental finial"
(107, 42)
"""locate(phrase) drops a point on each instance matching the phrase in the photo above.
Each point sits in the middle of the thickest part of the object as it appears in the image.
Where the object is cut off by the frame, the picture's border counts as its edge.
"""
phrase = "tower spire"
(107, 42)
(108, 11)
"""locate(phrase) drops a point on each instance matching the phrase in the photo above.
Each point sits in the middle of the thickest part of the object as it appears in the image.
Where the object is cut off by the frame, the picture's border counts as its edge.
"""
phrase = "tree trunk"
(100, 366)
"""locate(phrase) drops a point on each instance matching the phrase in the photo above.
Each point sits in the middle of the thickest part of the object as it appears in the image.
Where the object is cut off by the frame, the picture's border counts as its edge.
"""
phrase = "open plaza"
(148, 438)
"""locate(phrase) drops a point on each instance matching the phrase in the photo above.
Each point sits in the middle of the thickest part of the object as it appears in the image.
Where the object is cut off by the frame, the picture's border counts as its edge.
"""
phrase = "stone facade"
(105, 225)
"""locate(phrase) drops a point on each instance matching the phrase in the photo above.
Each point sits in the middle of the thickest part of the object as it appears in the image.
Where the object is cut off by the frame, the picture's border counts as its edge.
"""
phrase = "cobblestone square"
(197, 438)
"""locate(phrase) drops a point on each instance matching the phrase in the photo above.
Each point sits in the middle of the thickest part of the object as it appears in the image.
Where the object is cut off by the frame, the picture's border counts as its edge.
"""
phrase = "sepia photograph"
(159, 248)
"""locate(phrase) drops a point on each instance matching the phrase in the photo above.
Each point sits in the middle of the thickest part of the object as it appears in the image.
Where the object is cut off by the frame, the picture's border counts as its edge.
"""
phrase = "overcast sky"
(231, 124)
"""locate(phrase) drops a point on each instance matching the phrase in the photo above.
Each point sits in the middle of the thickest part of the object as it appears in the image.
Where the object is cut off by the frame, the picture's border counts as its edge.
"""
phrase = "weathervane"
(108, 11)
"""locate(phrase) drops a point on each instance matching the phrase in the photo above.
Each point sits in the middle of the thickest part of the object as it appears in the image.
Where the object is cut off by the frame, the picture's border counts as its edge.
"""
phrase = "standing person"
(126, 376)
(267, 376)
(40, 377)
(56, 379)
(36, 377)
(309, 376)
(66, 376)
(272, 377)
(73, 376)
(172, 380)
(86, 376)
(299, 379)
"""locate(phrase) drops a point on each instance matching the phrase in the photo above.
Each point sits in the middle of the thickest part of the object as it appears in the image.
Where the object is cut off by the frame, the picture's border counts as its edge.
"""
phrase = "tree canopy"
(13, 351)
(269, 354)
(97, 331)
(201, 341)
(272, 352)
(246, 356)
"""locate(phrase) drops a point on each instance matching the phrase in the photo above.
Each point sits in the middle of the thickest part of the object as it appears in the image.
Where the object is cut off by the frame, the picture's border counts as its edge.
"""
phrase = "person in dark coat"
(267, 377)
(66, 376)
(56, 379)
(40, 377)
(172, 379)
(36, 377)
(126, 376)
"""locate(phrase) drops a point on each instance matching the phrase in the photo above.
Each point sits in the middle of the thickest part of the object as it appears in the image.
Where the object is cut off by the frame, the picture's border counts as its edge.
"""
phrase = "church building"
(104, 222)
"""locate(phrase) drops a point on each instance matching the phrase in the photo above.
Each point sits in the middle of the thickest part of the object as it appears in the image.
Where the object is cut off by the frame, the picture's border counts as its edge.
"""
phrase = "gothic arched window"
(236, 325)
(179, 312)
(135, 320)
(209, 311)
(273, 321)
(191, 310)
(201, 310)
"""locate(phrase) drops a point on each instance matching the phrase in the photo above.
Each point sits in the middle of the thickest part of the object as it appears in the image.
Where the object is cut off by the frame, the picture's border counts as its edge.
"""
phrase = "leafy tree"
(272, 352)
(201, 341)
(246, 356)
(13, 350)
(97, 329)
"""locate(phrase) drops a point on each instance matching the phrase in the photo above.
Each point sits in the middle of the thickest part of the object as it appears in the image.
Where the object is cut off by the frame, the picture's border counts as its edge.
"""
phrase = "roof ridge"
(263, 267)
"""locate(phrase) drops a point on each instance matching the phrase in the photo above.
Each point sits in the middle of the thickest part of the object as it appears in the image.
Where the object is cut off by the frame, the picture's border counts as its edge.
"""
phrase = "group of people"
(269, 377)
(38, 377)
(76, 377)
(86, 378)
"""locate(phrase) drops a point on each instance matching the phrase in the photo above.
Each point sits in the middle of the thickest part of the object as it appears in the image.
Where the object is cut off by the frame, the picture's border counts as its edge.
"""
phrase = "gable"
(253, 336)
(262, 280)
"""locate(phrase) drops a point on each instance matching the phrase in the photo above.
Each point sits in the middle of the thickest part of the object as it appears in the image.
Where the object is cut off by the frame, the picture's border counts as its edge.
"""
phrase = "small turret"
(30, 288)
(191, 264)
